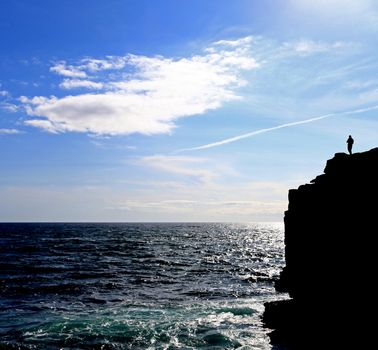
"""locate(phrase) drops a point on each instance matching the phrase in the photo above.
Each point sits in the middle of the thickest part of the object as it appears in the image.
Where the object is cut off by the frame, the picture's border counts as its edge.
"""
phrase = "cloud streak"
(265, 130)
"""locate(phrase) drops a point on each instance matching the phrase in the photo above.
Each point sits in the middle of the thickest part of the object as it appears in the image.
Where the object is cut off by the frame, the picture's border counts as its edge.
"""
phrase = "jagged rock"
(330, 229)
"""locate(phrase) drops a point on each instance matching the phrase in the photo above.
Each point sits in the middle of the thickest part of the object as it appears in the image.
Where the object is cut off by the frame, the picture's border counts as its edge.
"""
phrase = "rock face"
(331, 265)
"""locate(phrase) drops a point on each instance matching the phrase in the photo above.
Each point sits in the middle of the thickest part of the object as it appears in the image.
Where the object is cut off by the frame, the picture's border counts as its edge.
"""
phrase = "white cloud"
(77, 83)
(9, 131)
(67, 71)
(4, 93)
(150, 100)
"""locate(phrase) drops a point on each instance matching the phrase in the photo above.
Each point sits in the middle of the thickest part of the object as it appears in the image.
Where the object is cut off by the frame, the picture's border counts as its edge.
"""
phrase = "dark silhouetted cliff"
(330, 273)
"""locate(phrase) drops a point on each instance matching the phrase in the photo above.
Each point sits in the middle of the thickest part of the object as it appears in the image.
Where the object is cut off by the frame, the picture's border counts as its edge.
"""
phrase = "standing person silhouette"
(350, 142)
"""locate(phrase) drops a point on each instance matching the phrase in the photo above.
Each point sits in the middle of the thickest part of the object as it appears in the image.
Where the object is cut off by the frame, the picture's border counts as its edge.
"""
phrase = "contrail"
(263, 131)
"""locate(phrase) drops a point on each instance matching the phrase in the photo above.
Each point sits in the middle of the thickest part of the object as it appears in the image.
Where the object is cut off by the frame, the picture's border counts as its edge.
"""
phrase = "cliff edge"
(330, 252)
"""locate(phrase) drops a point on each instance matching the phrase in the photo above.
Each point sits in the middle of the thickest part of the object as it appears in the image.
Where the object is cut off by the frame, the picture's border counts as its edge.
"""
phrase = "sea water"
(137, 286)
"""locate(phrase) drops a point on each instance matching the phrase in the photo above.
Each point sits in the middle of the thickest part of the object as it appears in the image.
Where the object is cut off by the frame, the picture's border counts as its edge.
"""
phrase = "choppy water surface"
(137, 286)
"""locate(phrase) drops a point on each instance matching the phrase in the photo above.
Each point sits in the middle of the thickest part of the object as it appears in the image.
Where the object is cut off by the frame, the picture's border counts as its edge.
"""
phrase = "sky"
(178, 110)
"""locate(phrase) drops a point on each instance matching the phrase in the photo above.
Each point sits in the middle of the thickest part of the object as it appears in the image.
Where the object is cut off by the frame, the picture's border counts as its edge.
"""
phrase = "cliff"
(330, 253)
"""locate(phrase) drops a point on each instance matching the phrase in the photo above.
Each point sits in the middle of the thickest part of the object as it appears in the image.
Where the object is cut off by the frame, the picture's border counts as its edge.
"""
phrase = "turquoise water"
(137, 286)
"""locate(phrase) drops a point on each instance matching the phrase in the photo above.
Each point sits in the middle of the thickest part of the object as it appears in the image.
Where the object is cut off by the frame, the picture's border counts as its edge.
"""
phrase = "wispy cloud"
(192, 167)
(185, 206)
(234, 43)
(148, 101)
(351, 15)
(361, 84)
(9, 107)
(231, 202)
(62, 68)
(5, 103)
(308, 47)
(78, 83)
(89, 65)
(110, 62)
(265, 130)
(9, 131)
(4, 93)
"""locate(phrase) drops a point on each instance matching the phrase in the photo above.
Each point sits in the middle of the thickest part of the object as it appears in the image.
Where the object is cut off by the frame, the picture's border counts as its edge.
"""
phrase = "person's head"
(350, 136)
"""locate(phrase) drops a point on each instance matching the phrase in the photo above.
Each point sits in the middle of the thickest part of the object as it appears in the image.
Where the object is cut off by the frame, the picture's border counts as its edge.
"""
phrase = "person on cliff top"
(350, 142)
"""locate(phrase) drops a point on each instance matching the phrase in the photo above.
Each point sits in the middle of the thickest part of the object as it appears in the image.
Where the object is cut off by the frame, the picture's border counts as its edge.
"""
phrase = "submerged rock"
(330, 253)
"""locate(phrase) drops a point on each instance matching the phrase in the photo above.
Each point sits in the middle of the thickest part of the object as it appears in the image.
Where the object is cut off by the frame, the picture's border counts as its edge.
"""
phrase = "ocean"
(137, 286)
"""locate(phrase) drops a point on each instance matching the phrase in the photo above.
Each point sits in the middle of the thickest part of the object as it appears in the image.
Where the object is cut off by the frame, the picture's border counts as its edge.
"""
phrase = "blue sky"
(132, 110)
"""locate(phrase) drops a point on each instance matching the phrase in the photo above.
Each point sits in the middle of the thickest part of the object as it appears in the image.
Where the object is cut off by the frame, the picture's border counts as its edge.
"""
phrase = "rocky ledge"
(331, 265)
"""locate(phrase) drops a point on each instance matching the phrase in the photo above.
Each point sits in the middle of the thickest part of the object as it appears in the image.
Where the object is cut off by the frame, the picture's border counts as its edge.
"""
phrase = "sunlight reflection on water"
(138, 286)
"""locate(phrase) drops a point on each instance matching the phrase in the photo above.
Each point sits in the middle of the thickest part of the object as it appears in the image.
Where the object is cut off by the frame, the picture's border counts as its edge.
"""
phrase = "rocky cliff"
(330, 273)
